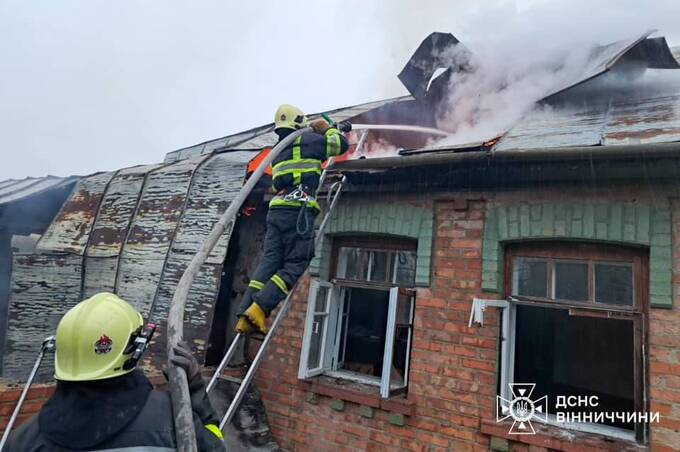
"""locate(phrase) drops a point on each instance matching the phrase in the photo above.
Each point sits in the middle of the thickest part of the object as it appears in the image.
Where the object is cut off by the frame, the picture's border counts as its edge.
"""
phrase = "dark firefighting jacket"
(121, 414)
(299, 164)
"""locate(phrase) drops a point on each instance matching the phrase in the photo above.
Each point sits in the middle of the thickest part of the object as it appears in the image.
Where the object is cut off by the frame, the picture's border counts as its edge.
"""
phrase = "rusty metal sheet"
(161, 205)
(641, 121)
(116, 211)
(215, 184)
(44, 287)
(200, 306)
(99, 275)
(547, 128)
(70, 230)
(137, 282)
(625, 120)
(152, 231)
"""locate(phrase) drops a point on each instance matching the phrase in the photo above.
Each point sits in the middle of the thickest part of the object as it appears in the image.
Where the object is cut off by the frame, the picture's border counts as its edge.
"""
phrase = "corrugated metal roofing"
(651, 53)
(132, 232)
(631, 120)
(12, 190)
(264, 136)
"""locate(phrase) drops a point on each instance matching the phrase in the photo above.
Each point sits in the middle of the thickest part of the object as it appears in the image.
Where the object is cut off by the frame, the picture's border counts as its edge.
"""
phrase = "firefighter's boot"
(257, 318)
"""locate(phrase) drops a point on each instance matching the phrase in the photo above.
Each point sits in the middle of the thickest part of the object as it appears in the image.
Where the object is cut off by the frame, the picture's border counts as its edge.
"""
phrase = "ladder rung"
(231, 379)
(257, 337)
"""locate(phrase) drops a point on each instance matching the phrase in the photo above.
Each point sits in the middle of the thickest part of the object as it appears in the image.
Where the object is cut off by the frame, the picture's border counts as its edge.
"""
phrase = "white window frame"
(330, 347)
(508, 310)
(314, 286)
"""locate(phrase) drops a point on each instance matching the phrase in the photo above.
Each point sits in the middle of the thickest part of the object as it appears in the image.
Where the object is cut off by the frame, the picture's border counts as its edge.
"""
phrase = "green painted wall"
(397, 219)
(621, 223)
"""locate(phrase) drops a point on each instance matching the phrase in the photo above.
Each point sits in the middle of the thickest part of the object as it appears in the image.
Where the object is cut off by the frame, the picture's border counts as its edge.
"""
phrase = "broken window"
(575, 325)
(359, 325)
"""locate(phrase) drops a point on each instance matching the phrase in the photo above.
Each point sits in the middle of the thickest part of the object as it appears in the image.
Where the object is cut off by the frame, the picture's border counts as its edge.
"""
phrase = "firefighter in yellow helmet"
(102, 401)
(289, 241)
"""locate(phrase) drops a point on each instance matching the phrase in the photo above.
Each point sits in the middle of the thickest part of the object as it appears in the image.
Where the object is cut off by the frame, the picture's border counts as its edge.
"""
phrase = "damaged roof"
(587, 111)
(13, 190)
(650, 119)
(261, 137)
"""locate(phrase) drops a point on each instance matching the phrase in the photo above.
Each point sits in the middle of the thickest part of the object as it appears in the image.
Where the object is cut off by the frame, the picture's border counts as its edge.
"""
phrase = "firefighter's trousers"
(287, 254)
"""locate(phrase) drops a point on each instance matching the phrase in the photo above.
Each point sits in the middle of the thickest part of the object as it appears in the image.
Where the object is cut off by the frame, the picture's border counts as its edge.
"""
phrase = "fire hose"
(177, 379)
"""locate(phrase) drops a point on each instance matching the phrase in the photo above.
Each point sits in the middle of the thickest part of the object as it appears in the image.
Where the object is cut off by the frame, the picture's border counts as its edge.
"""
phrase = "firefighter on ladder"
(289, 240)
(102, 401)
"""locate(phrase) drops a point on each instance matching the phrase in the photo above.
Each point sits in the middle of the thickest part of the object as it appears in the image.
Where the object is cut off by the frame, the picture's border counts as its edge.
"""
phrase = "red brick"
(10, 395)
(665, 395)
(433, 439)
(468, 243)
(481, 365)
(431, 303)
(356, 430)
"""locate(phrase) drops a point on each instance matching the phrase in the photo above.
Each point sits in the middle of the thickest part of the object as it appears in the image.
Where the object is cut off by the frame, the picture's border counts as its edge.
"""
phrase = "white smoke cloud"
(488, 100)
(524, 51)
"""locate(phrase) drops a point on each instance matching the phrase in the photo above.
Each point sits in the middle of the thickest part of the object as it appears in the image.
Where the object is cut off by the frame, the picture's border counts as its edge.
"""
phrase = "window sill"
(359, 393)
(552, 437)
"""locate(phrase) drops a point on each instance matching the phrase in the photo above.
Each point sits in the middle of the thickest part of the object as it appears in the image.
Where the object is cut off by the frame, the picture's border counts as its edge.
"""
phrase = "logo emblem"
(522, 409)
(103, 345)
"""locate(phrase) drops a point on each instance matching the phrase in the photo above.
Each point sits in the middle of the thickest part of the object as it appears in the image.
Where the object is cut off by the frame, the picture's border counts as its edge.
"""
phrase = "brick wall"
(453, 367)
(664, 358)
(37, 396)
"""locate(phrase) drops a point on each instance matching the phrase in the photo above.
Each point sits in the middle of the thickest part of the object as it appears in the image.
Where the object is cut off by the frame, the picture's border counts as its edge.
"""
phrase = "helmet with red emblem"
(96, 339)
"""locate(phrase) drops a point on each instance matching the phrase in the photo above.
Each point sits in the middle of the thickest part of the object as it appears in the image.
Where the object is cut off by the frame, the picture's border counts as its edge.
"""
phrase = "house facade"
(587, 273)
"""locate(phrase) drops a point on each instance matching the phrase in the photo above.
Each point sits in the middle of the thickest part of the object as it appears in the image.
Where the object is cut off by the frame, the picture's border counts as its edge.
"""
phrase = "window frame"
(337, 290)
(637, 313)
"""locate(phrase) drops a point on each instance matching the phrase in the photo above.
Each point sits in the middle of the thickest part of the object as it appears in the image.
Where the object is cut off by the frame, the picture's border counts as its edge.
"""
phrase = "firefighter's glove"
(257, 317)
(200, 404)
(182, 357)
(345, 126)
(320, 126)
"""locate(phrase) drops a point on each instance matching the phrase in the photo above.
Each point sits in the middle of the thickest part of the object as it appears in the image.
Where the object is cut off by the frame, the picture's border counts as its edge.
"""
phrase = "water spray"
(402, 127)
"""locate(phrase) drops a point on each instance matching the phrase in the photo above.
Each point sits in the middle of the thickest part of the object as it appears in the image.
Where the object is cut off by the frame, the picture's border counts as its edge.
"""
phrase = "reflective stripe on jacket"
(300, 164)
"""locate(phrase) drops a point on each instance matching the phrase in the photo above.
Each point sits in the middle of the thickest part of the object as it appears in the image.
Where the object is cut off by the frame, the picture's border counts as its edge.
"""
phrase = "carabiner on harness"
(300, 195)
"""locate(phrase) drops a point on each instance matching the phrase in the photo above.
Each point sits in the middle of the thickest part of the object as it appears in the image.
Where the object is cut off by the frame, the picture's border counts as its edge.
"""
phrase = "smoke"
(487, 100)
(498, 90)
(522, 51)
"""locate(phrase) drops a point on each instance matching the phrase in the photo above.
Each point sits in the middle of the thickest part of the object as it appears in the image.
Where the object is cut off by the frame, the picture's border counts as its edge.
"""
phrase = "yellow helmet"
(289, 117)
(95, 339)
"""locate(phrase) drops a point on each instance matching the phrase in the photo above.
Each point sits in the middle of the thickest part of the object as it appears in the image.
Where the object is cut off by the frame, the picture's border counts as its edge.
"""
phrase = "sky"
(90, 85)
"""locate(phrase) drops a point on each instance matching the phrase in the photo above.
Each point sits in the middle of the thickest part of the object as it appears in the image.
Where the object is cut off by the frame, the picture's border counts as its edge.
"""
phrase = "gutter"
(613, 152)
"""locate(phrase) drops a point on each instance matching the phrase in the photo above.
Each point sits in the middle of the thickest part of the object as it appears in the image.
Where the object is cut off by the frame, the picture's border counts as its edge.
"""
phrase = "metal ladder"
(332, 198)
